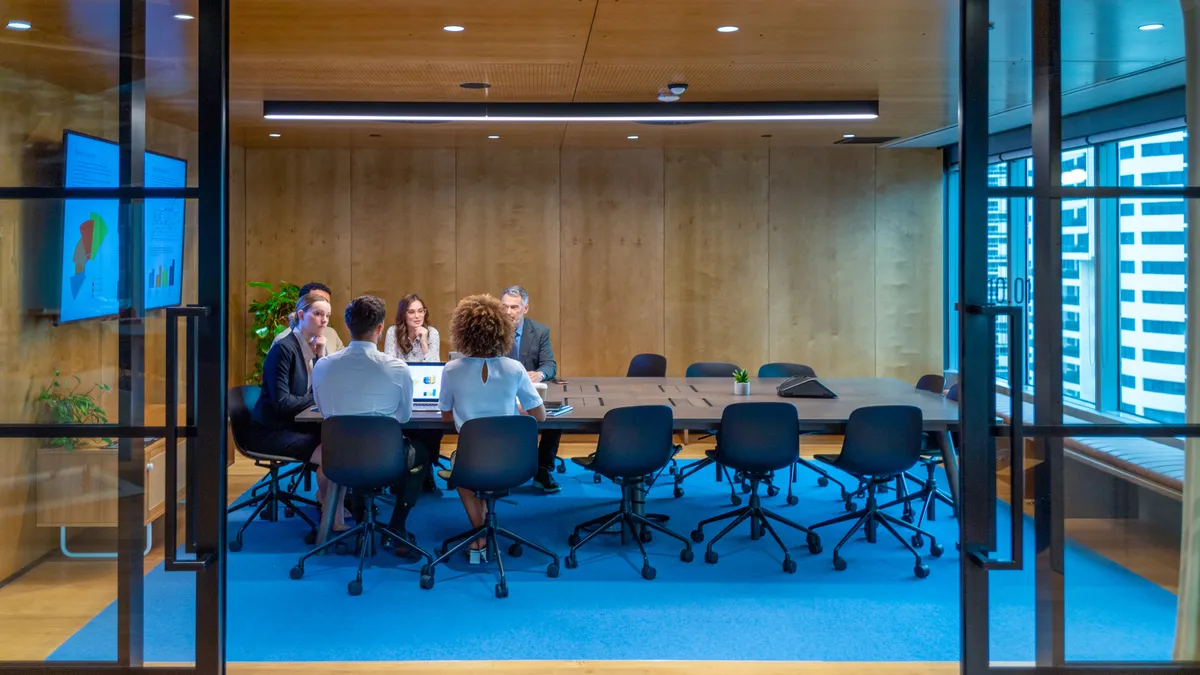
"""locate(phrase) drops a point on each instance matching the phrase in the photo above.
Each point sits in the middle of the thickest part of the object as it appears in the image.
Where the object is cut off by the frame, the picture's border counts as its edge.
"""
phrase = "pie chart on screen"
(92, 233)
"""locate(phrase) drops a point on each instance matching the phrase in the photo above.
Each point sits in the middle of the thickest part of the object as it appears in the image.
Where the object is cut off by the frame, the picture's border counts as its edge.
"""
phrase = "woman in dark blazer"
(287, 389)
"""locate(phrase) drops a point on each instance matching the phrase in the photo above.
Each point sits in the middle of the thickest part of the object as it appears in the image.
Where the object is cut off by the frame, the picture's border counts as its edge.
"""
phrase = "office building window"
(1128, 353)
(1153, 264)
(1164, 416)
(999, 279)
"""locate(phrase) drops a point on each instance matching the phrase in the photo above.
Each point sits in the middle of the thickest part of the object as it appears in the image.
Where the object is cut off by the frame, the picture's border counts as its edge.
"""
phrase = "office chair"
(495, 455)
(783, 369)
(757, 439)
(266, 505)
(366, 454)
(881, 443)
(647, 365)
(931, 458)
(634, 443)
(708, 369)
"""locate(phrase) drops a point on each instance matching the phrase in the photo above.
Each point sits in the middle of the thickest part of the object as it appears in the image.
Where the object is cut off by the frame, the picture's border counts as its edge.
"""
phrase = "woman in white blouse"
(412, 339)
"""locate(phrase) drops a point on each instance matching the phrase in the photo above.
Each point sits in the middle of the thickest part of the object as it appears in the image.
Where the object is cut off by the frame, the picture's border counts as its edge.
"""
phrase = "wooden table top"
(698, 402)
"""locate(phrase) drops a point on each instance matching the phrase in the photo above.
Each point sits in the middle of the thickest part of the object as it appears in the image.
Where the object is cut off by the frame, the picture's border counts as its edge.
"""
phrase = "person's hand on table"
(536, 376)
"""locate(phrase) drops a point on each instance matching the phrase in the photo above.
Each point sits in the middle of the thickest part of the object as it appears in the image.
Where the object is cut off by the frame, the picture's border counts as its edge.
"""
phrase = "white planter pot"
(741, 388)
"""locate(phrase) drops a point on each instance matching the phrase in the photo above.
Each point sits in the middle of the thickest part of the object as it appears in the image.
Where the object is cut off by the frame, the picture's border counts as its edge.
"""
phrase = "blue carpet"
(744, 607)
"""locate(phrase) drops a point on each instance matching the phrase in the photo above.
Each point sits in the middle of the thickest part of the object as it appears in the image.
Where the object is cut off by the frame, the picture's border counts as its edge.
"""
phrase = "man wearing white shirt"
(361, 380)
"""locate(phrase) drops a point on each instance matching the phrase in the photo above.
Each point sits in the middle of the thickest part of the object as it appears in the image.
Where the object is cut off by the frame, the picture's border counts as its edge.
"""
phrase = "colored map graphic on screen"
(91, 237)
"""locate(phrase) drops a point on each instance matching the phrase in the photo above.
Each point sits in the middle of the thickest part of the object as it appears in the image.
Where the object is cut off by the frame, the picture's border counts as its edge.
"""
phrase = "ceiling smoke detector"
(668, 98)
(677, 88)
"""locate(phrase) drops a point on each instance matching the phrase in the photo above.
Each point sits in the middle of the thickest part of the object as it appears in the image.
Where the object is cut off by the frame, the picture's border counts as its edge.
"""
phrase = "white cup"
(542, 388)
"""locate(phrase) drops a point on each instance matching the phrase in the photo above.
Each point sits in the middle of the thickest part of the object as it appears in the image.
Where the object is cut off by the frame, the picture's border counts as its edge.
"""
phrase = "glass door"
(113, 346)
(1072, 352)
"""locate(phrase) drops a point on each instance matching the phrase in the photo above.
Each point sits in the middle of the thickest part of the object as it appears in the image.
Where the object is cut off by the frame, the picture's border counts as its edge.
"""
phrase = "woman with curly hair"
(484, 383)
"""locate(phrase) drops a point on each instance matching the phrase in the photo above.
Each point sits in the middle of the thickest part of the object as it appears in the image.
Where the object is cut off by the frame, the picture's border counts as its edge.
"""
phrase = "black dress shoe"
(544, 481)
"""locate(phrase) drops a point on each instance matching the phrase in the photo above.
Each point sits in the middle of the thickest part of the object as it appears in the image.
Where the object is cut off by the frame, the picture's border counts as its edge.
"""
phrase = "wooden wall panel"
(716, 243)
(908, 263)
(612, 255)
(822, 309)
(507, 220)
(238, 319)
(403, 237)
(298, 220)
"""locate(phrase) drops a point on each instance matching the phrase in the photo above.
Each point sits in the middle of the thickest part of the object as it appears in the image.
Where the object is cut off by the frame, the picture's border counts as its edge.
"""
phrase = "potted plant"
(63, 403)
(741, 383)
(270, 317)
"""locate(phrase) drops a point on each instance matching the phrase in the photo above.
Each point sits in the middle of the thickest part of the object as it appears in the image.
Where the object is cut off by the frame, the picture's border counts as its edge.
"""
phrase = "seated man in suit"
(333, 342)
(532, 348)
(361, 380)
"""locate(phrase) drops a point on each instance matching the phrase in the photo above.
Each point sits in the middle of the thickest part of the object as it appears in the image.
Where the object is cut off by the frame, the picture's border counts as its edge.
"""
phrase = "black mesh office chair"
(881, 443)
(708, 369)
(366, 454)
(757, 439)
(240, 402)
(634, 443)
(647, 365)
(495, 455)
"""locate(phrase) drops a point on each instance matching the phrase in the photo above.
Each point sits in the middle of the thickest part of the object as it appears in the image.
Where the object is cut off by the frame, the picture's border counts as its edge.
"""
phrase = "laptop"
(427, 385)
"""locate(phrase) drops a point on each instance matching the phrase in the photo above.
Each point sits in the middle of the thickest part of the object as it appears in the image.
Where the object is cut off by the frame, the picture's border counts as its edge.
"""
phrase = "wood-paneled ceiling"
(902, 52)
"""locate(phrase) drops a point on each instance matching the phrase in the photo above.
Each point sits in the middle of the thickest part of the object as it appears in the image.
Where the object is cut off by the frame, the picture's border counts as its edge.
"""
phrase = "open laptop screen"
(427, 380)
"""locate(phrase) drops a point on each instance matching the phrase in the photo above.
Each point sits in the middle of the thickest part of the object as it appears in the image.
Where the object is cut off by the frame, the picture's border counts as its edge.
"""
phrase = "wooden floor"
(44, 607)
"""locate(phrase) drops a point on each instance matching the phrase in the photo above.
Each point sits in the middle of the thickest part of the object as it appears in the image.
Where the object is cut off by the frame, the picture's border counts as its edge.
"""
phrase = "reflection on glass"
(997, 262)
(1153, 279)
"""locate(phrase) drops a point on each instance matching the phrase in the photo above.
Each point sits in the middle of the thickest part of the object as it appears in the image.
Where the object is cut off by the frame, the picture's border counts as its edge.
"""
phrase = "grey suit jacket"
(536, 353)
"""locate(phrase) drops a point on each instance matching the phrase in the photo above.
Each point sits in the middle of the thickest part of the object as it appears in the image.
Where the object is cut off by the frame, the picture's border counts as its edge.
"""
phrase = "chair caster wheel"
(571, 562)
(735, 500)
(426, 581)
(596, 478)
(672, 470)
(851, 507)
(515, 550)
(354, 587)
(793, 500)
(678, 492)
(648, 573)
(772, 491)
(686, 555)
(341, 548)
(823, 482)
(289, 512)
(917, 541)
(814, 544)
(710, 557)
(235, 545)
(562, 468)
(697, 536)
(789, 565)
(501, 591)
(936, 550)
(296, 572)
(552, 570)
(921, 571)
(839, 563)
(958, 546)
(745, 488)
(310, 538)
(908, 518)
(573, 540)
(647, 536)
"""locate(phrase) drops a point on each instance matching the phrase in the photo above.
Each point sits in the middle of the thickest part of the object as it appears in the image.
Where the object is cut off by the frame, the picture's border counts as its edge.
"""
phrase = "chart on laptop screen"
(427, 380)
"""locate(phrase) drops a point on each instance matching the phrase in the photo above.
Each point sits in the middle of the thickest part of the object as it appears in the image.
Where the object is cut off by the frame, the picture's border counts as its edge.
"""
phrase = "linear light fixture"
(769, 111)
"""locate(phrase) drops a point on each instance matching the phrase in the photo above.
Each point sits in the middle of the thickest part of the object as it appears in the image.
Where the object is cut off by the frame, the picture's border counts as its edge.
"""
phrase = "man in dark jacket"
(532, 348)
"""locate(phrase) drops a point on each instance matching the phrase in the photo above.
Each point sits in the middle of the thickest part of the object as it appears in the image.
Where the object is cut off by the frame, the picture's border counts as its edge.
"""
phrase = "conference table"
(697, 404)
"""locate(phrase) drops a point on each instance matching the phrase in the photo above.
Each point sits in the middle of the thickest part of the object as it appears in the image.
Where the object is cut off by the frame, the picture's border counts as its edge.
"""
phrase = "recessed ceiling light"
(632, 138)
(727, 29)
(453, 29)
(184, 17)
(1151, 26)
(493, 137)
(474, 85)
(16, 24)
(847, 135)
(274, 135)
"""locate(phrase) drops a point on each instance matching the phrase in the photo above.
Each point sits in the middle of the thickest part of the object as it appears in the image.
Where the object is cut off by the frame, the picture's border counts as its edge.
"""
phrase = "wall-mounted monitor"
(90, 240)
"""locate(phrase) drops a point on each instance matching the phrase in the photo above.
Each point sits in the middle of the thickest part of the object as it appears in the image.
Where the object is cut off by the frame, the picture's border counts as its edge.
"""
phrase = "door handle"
(1016, 374)
(171, 542)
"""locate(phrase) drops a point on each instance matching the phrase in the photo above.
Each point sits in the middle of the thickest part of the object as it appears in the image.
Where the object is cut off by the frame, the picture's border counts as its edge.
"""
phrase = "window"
(1159, 356)
(1163, 387)
(1164, 238)
(998, 276)
(1163, 297)
(1128, 353)
(1164, 327)
(1154, 273)
(1165, 267)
